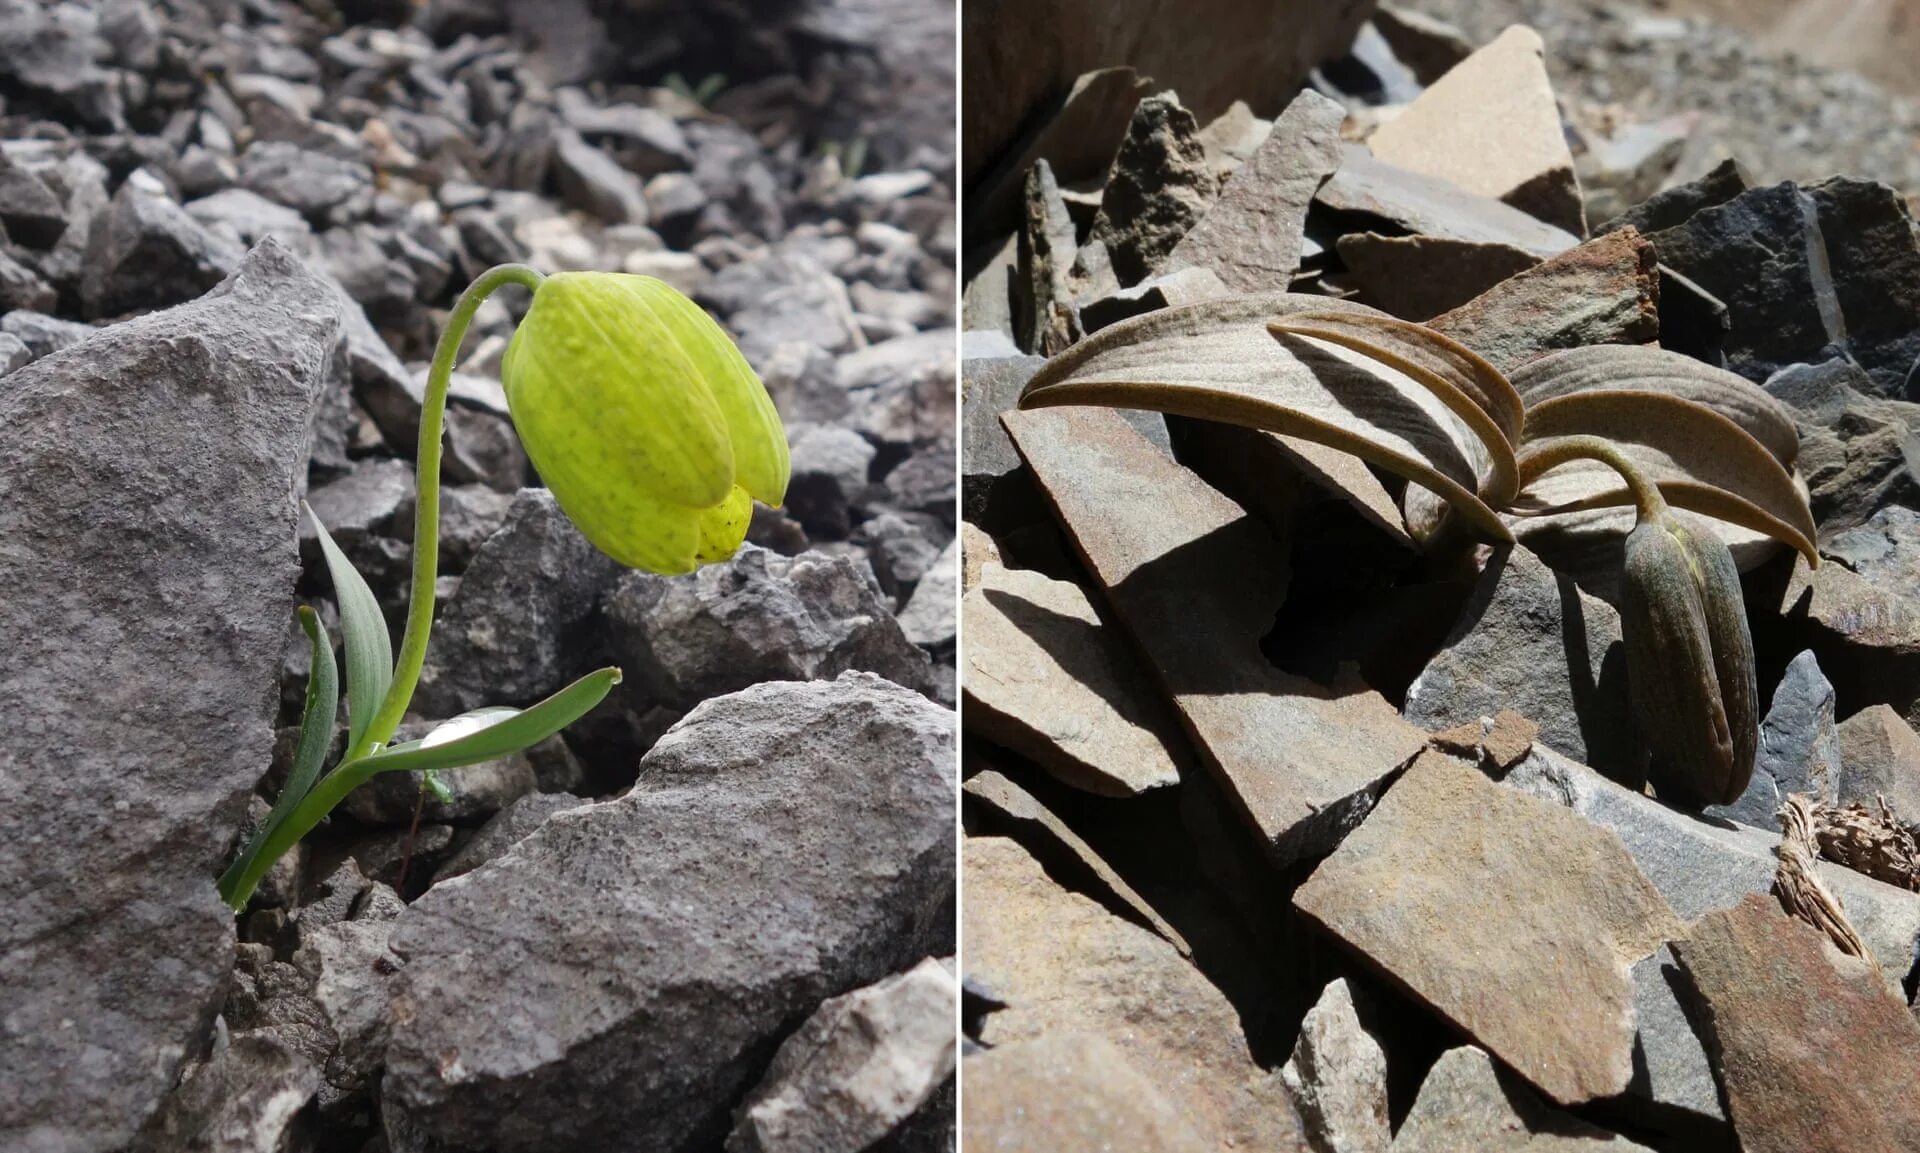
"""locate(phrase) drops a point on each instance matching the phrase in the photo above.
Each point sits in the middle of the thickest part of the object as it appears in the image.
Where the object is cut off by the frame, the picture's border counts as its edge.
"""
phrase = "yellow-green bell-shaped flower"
(643, 418)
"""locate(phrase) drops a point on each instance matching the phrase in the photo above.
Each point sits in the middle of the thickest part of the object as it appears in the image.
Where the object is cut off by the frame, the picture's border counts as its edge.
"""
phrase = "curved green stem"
(426, 518)
(1647, 500)
(333, 788)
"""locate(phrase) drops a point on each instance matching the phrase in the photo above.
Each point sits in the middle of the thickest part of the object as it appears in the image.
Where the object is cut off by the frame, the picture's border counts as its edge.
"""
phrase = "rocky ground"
(1285, 833)
(714, 914)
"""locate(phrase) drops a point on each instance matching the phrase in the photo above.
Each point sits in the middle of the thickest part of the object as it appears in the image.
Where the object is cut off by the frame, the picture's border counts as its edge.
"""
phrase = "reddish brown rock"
(1419, 277)
(1606, 291)
(1197, 581)
(1814, 1051)
(1514, 918)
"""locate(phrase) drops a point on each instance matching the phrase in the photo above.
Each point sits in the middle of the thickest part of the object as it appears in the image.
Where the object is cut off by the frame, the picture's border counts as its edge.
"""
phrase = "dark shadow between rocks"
(1611, 749)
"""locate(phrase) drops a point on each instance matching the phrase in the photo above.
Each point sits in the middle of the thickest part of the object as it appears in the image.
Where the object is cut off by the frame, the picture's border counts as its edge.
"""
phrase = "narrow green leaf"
(316, 734)
(494, 732)
(369, 647)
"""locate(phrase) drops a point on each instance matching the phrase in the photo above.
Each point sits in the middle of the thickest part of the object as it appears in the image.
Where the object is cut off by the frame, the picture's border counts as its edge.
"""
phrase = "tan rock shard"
(1491, 126)
(1064, 965)
(1068, 1093)
(1514, 918)
(1467, 1105)
(1045, 678)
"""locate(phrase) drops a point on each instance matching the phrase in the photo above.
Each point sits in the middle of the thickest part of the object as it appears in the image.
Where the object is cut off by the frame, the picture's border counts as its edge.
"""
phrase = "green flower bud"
(644, 420)
(1689, 662)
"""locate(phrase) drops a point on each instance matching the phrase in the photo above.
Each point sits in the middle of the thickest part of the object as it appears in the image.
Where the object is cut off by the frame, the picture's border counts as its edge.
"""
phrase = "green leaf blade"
(369, 646)
(500, 732)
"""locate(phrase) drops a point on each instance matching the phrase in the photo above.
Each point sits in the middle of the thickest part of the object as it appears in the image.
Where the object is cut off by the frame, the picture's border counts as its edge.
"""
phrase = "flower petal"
(723, 527)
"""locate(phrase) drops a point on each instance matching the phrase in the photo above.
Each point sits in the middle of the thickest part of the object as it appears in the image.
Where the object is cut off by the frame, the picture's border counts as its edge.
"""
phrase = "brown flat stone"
(1045, 678)
(1491, 125)
(1814, 1052)
(1433, 207)
(1467, 1105)
(977, 550)
(1197, 581)
(1067, 1093)
(1014, 805)
(1514, 918)
(1251, 235)
(1062, 964)
(1606, 291)
(1419, 277)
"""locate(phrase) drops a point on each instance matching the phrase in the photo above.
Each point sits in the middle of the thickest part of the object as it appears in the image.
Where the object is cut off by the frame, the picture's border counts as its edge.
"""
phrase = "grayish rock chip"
(623, 972)
(149, 562)
(1337, 1077)
(148, 253)
(862, 1064)
(1799, 749)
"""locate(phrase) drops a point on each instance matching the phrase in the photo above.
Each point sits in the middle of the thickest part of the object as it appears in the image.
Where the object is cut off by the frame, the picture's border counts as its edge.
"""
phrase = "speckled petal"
(724, 526)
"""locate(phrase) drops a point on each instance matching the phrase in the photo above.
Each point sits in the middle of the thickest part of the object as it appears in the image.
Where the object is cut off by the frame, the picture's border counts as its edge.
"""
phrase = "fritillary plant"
(655, 437)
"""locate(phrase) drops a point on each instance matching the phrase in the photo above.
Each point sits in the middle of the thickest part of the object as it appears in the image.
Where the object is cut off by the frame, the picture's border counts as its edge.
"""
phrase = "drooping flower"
(643, 418)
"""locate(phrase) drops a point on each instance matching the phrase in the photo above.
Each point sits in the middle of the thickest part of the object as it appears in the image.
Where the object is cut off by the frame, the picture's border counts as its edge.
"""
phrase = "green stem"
(332, 789)
(426, 517)
(1647, 500)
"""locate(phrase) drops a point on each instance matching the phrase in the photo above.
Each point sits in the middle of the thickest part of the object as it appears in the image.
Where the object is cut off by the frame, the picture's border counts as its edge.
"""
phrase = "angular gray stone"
(515, 631)
(1159, 186)
(319, 186)
(1673, 1084)
(167, 614)
(1799, 749)
(861, 1064)
(758, 617)
(1880, 759)
(1337, 1077)
(1859, 453)
(931, 618)
(146, 252)
(32, 214)
(988, 387)
(1529, 640)
(244, 1099)
(351, 968)
(1701, 866)
(593, 182)
(21, 287)
(43, 334)
(475, 792)
(617, 980)
(505, 829)
(1432, 207)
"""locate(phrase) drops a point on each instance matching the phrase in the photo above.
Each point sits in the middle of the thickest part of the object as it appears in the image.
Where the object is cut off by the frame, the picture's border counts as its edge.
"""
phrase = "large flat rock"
(1064, 965)
(1468, 1105)
(1814, 1051)
(147, 479)
(1512, 917)
(1196, 581)
(1068, 1093)
(620, 977)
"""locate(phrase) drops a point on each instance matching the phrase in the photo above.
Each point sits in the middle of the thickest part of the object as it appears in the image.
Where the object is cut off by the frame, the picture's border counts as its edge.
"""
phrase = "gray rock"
(32, 214)
(758, 617)
(386, 855)
(21, 287)
(861, 1064)
(1701, 866)
(368, 501)
(244, 1099)
(52, 52)
(1169, 290)
(482, 448)
(14, 353)
(1859, 453)
(900, 549)
(779, 298)
(165, 613)
(505, 829)
(1799, 749)
(648, 139)
(334, 897)
(1530, 640)
(249, 217)
(988, 387)
(1673, 1086)
(146, 252)
(43, 334)
(1337, 1077)
(1880, 760)
(469, 514)
(357, 258)
(476, 792)
(1857, 300)
(591, 181)
(514, 632)
(924, 482)
(605, 985)
(318, 186)
(1884, 550)
(1430, 206)
(902, 389)
(351, 968)
(1160, 185)
(829, 475)
(931, 618)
